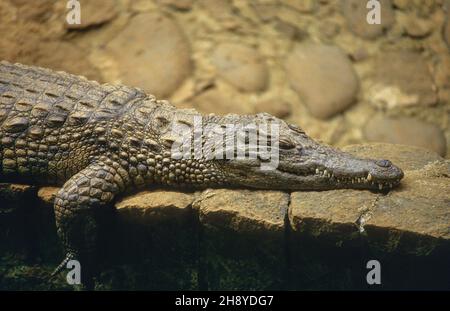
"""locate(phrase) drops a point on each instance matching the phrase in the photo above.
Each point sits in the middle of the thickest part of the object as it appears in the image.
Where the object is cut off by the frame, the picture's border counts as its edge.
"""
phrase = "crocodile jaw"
(324, 169)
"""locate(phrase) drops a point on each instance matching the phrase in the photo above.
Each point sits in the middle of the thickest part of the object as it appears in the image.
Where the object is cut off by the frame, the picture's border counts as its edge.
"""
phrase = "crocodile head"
(304, 164)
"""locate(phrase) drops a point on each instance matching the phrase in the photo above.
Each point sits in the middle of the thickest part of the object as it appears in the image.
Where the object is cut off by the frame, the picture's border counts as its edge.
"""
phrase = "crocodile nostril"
(384, 163)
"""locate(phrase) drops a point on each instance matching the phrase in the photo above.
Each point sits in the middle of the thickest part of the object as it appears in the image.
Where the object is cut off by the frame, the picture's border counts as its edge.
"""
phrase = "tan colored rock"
(94, 13)
(36, 10)
(243, 211)
(64, 56)
(290, 30)
(406, 157)
(151, 206)
(400, 4)
(324, 78)
(329, 214)
(219, 9)
(421, 8)
(265, 11)
(355, 12)
(220, 103)
(182, 5)
(158, 226)
(241, 66)
(401, 79)
(277, 107)
(243, 238)
(418, 27)
(413, 218)
(152, 53)
(446, 29)
(408, 219)
(47, 195)
(406, 131)
(329, 29)
(304, 6)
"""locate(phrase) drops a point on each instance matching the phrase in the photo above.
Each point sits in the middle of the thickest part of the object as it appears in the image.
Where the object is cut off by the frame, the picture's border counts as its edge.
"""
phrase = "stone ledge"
(419, 206)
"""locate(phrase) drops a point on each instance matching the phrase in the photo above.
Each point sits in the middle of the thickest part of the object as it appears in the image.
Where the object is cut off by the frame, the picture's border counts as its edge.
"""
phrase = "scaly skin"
(98, 141)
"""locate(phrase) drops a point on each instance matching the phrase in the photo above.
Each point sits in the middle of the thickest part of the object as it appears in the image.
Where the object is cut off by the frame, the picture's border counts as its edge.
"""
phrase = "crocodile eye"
(384, 163)
(296, 129)
(286, 143)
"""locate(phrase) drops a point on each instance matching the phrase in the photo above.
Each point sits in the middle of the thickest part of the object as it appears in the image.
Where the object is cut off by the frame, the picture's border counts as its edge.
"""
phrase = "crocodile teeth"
(369, 177)
(317, 171)
(325, 173)
(380, 186)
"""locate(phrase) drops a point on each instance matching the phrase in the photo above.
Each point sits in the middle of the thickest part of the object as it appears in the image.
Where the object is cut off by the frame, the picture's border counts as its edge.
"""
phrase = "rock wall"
(315, 63)
(246, 239)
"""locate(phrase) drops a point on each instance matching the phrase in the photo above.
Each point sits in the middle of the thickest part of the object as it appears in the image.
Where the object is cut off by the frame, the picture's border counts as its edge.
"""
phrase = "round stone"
(406, 131)
(357, 15)
(417, 27)
(223, 103)
(55, 55)
(94, 13)
(152, 53)
(241, 66)
(276, 107)
(324, 78)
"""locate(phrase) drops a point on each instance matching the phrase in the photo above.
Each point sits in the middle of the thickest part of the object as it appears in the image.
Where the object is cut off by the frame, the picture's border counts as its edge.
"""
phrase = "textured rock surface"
(446, 29)
(95, 13)
(306, 6)
(419, 205)
(241, 66)
(214, 101)
(419, 208)
(178, 4)
(418, 27)
(356, 12)
(410, 157)
(406, 230)
(157, 222)
(243, 210)
(242, 238)
(158, 60)
(406, 131)
(402, 79)
(148, 201)
(324, 77)
(276, 107)
(44, 56)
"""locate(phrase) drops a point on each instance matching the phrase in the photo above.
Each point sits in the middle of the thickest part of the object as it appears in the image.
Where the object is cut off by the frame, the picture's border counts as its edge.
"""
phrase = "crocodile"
(98, 141)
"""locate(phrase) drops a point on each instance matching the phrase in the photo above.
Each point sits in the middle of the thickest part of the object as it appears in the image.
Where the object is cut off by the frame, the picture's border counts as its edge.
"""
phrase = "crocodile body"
(98, 141)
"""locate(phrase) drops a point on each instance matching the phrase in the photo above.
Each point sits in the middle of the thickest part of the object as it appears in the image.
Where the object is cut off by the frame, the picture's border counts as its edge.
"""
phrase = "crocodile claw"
(62, 265)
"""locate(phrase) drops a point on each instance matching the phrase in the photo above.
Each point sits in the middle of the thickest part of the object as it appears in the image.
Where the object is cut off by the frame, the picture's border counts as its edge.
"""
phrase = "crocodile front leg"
(78, 204)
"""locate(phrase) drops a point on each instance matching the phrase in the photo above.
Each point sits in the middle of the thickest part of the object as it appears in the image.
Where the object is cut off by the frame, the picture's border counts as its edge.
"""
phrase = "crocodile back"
(46, 115)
